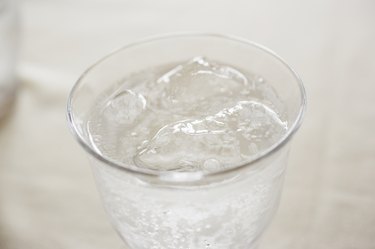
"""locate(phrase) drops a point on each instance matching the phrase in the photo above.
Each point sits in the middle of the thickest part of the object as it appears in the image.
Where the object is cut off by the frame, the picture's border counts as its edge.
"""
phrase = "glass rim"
(201, 174)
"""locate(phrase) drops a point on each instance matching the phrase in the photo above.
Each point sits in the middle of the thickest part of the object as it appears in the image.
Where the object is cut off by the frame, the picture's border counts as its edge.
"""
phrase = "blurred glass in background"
(8, 46)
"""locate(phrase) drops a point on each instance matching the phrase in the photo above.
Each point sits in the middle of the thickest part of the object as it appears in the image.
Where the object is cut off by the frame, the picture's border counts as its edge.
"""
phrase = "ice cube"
(211, 165)
(200, 85)
(125, 107)
(184, 145)
(230, 136)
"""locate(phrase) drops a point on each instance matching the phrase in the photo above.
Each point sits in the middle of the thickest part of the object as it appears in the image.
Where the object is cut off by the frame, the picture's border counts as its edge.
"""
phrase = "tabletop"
(48, 197)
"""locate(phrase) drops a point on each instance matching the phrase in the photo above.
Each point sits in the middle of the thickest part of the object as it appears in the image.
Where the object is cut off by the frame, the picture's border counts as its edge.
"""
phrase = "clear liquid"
(193, 116)
(197, 115)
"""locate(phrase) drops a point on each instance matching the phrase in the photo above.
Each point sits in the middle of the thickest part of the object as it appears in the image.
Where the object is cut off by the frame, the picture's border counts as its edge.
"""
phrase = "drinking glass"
(8, 35)
(229, 208)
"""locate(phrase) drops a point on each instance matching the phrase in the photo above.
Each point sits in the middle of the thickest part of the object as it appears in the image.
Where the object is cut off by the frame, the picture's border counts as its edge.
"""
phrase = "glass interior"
(108, 72)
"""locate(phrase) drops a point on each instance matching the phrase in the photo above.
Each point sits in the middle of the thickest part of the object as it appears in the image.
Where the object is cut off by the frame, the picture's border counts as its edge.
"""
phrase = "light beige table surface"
(48, 198)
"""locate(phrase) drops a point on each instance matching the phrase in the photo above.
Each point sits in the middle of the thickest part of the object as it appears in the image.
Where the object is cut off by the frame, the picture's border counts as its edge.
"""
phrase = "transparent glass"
(8, 43)
(154, 209)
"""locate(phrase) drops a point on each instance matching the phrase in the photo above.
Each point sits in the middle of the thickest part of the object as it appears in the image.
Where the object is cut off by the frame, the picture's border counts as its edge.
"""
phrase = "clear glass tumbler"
(8, 43)
(189, 210)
